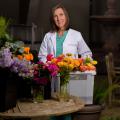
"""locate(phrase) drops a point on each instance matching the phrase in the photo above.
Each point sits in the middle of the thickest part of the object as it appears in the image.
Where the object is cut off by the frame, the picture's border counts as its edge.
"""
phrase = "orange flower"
(28, 57)
(20, 57)
(76, 63)
(26, 49)
(54, 60)
(83, 68)
(80, 60)
(31, 56)
(91, 67)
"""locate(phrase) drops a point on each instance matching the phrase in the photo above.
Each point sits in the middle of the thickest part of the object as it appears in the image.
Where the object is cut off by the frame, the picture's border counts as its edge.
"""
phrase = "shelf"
(109, 19)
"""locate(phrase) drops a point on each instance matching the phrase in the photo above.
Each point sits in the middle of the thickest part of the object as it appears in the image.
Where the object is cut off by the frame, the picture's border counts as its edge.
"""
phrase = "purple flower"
(6, 58)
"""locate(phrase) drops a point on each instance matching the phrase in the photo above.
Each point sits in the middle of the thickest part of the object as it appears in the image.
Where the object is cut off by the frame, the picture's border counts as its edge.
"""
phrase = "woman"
(61, 40)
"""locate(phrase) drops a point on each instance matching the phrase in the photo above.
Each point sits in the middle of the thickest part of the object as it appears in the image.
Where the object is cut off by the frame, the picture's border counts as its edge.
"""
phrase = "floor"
(112, 113)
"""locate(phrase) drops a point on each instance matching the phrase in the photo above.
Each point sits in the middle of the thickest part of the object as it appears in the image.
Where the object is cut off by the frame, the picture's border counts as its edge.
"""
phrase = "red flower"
(49, 57)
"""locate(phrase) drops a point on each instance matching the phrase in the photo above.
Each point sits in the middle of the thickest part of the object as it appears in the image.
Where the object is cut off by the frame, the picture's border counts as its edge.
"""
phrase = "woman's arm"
(83, 48)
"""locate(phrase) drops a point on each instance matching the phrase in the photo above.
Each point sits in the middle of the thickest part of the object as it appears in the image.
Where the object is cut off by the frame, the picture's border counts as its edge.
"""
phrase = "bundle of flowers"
(13, 54)
(19, 63)
(63, 65)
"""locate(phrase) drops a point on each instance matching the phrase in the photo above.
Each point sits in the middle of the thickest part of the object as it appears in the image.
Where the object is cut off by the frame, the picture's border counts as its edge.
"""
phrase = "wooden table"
(46, 108)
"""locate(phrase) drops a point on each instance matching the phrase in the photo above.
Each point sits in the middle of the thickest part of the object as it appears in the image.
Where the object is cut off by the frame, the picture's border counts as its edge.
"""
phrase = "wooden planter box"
(8, 90)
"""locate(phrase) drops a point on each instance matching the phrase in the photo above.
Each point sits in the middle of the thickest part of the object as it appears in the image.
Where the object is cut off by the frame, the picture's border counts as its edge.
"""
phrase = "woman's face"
(60, 18)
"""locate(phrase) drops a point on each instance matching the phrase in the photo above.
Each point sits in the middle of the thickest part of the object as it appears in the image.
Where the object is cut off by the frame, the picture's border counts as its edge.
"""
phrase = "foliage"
(101, 93)
(4, 36)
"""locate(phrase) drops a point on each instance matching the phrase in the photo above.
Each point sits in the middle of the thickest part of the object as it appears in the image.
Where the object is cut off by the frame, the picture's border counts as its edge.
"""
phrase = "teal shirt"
(59, 43)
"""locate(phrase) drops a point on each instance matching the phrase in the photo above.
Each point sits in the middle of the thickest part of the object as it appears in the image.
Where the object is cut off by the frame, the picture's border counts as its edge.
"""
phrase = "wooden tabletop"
(46, 108)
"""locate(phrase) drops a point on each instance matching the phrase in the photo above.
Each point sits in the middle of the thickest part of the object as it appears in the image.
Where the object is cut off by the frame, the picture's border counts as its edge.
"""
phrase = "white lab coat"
(73, 43)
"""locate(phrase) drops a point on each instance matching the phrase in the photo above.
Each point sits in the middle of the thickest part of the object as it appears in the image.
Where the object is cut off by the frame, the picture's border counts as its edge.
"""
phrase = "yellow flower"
(71, 66)
(60, 64)
(65, 64)
(69, 54)
(89, 64)
(68, 60)
(94, 62)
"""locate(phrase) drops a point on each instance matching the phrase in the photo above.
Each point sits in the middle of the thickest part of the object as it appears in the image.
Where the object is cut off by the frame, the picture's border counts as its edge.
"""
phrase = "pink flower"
(54, 73)
(53, 68)
(35, 72)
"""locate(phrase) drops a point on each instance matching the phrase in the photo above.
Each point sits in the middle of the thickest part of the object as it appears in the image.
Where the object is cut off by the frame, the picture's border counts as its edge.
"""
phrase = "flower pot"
(24, 89)
(8, 89)
(47, 90)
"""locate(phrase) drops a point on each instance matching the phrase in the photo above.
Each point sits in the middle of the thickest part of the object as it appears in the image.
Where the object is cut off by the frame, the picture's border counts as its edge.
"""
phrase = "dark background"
(27, 12)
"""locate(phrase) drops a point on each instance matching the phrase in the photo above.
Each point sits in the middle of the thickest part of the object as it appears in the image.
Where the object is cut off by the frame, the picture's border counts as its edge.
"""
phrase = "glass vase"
(38, 93)
(64, 95)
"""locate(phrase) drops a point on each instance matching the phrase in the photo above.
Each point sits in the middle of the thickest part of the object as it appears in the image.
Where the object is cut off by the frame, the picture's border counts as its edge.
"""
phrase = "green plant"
(101, 93)
(4, 36)
(98, 95)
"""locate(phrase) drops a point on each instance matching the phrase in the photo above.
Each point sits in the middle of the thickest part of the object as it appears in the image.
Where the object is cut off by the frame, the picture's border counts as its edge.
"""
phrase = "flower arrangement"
(63, 65)
(15, 63)
(66, 64)
(13, 54)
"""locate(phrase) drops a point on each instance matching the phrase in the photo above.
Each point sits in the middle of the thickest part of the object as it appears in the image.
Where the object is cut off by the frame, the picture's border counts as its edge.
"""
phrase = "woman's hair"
(53, 25)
